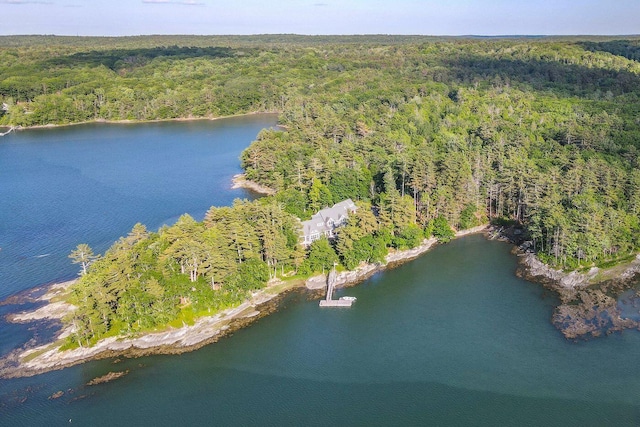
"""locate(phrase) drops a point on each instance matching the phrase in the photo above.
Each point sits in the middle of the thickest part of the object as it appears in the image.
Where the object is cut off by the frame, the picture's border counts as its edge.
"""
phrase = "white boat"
(348, 298)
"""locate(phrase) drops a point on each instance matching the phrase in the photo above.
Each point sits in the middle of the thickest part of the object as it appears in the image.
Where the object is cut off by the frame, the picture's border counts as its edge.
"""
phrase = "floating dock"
(329, 301)
(336, 303)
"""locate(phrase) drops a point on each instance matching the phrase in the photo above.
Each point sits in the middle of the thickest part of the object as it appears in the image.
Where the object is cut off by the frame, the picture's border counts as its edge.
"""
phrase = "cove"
(452, 338)
(91, 183)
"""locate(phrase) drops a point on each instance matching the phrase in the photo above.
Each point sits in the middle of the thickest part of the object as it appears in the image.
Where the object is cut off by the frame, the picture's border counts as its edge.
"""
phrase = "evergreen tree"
(83, 255)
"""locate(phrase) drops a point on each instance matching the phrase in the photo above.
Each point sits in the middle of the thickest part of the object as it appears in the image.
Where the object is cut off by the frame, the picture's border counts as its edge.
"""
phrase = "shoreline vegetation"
(205, 330)
(591, 301)
(134, 121)
(578, 320)
(240, 181)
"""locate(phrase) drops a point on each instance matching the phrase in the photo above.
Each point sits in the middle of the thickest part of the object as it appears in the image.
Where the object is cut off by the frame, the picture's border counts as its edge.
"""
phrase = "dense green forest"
(424, 133)
(184, 270)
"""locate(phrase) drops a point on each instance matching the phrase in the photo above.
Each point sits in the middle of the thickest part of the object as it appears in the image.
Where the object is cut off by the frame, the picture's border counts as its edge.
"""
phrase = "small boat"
(348, 298)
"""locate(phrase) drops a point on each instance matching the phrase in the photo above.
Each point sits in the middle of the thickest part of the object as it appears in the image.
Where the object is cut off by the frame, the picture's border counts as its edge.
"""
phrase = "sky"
(421, 17)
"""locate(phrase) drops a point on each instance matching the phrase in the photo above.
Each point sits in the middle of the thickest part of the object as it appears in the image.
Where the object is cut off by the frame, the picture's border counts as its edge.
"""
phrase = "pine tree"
(83, 255)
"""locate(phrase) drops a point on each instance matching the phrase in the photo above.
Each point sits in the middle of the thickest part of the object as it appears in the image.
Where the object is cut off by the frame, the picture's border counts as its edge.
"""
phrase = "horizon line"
(326, 35)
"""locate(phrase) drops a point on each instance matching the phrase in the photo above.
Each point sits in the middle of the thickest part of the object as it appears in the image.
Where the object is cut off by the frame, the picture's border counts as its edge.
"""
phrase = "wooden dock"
(329, 301)
(336, 303)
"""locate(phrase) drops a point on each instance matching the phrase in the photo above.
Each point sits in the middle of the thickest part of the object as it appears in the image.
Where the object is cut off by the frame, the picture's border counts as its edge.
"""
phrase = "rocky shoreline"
(588, 308)
(11, 129)
(241, 181)
(53, 309)
(206, 330)
(590, 302)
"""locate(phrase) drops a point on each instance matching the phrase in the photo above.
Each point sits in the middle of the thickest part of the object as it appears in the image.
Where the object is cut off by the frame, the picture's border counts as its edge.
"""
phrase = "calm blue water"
(91, 183)
(453, 338)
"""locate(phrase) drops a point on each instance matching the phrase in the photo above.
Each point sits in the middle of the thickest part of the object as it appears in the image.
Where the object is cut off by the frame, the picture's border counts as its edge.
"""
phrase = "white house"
(326, 221)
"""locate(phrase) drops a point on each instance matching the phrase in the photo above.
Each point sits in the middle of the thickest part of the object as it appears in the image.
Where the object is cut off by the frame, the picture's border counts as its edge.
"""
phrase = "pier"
(329, 301)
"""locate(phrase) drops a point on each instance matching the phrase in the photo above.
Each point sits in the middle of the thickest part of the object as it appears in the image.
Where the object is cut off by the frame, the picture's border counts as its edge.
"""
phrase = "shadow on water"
(248, 399)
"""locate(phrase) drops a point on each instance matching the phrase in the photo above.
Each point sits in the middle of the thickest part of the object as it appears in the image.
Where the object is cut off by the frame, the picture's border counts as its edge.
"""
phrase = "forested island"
(427, 135)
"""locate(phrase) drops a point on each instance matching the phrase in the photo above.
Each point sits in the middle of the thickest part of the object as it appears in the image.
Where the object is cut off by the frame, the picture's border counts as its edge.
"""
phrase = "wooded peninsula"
(427, 135)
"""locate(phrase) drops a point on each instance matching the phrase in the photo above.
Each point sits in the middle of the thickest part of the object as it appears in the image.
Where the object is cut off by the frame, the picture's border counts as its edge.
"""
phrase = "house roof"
(325, 219)
(315, 225)
(338, 210)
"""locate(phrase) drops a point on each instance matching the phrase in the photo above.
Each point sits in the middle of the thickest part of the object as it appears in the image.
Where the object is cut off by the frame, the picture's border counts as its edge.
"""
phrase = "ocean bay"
(453, 338)
(92, 183)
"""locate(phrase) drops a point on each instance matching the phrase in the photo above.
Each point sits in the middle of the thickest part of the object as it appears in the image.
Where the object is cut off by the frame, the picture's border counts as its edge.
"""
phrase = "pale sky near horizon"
(425, 17)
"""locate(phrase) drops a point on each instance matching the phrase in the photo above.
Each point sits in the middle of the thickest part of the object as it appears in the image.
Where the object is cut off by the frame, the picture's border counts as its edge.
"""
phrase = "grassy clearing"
(288, 283)
(624, 260)
(613, 268)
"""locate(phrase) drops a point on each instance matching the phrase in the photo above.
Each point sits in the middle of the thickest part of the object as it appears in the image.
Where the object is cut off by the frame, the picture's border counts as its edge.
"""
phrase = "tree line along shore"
(427, 135)
(573, 317)
(176, 339)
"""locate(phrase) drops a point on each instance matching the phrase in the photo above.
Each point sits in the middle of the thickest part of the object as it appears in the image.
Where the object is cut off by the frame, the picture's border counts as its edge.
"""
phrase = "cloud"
(24, 2)
(179, 2)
